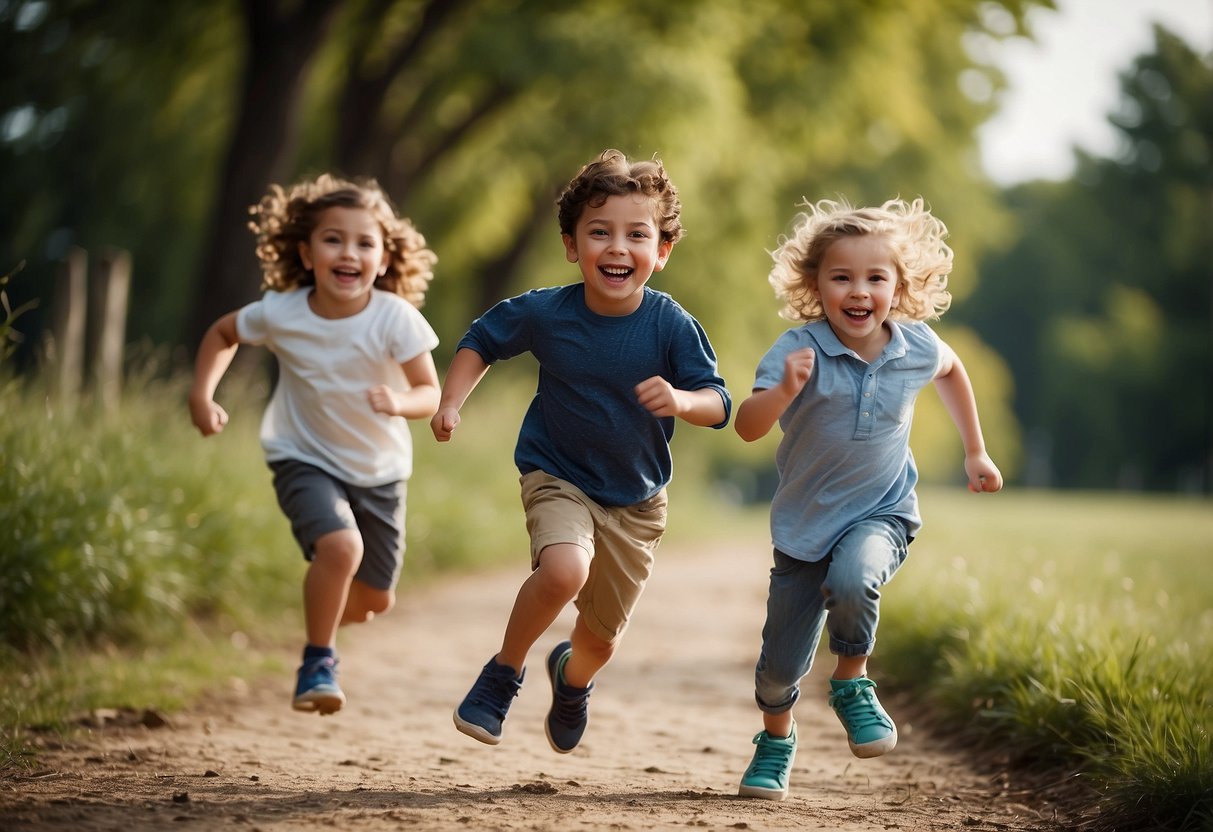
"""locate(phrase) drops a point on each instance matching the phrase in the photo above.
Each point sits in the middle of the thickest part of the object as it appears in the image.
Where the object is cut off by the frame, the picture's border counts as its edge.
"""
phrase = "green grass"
(1071, 630)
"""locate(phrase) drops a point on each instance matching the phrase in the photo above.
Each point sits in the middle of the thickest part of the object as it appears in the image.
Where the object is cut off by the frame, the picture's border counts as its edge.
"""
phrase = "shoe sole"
(475, 731)
(322, 703)
(760, 792)
(875, 748)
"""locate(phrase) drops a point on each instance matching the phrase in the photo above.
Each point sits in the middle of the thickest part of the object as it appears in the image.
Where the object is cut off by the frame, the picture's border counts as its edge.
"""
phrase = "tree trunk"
(280, 46)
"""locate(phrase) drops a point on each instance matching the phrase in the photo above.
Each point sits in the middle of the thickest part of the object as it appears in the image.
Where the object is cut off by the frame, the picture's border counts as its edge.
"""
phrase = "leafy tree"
(1103, 307)
(155, 132)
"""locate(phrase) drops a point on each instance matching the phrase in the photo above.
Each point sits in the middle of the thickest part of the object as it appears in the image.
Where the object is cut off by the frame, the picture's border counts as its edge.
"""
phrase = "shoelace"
(570, 709)
(495, 691)
(770, 760)
(857, 706)
(322, 665)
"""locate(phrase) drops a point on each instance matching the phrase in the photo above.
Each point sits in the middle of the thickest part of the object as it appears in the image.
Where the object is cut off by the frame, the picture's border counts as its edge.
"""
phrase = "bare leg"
(851, 667)
(365, 602)
(563, 569)
(590, 654)
(327, 584)
(778, 725)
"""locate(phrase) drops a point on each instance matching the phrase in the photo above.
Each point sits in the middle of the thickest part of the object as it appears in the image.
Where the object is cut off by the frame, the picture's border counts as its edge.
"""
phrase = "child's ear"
(387, 261)
(305, 254)
(663, 254)
(570, 247)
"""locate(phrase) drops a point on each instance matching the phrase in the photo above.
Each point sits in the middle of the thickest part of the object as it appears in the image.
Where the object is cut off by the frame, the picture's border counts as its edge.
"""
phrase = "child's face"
(346, 254)
(617, 246)
(857, 285)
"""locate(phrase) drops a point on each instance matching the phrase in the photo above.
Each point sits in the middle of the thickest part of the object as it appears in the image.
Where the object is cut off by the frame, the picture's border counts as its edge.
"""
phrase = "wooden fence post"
(67, 327)
(111, 291)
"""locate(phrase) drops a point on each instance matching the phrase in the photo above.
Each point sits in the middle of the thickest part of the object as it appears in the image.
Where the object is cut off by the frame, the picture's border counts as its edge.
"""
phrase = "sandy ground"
(671, 723)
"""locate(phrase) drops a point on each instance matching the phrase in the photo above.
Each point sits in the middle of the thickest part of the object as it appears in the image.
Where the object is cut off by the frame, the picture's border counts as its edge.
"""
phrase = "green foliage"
(112, 532)
(1086, 642)
(1108, 343)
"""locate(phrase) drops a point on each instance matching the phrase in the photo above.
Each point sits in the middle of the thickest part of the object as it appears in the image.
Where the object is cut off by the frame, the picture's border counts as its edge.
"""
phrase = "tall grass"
(1072, 631)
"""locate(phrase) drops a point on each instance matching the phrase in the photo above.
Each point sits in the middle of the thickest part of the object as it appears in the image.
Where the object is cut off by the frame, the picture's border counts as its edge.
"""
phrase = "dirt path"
(670, 728)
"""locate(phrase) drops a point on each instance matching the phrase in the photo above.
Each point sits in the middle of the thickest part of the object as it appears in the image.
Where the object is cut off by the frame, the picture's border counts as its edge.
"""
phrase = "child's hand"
(797, 367)
(659, 397)
(983, 474)
(444, 423)
(207, 416)
(384, 399)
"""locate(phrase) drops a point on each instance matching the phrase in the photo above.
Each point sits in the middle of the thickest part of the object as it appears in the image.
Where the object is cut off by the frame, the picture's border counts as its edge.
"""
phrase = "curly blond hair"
(916, 242)
(284, 218)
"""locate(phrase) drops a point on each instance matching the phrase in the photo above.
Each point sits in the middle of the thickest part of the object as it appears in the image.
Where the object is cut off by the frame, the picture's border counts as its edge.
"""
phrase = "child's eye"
(597, 232)
(639, 235)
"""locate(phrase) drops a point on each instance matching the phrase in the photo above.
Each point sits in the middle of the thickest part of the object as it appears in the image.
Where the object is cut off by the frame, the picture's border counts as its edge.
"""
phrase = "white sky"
(1063, 86)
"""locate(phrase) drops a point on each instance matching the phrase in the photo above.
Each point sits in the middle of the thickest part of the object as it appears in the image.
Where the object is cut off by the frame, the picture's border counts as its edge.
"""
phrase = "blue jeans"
(840, 592)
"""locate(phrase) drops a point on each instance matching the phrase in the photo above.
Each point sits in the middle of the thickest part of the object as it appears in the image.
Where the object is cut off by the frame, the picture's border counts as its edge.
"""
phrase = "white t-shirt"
(319, 412)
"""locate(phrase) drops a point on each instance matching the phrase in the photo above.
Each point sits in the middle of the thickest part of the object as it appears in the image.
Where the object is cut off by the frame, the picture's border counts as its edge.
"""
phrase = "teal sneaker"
(316, 689)
(482, 712)
(767, 776)
(568, 715)
(870, 731)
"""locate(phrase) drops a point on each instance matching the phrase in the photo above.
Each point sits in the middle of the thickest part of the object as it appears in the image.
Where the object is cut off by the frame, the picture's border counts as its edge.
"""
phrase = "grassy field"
(140, 564)
(1074, 631)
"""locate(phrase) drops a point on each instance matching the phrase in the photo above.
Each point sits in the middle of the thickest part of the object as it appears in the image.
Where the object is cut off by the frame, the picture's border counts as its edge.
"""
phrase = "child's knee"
(562, 571)
(341, 549)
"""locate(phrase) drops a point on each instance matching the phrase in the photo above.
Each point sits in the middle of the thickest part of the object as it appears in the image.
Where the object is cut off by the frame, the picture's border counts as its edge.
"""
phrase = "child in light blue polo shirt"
(842, 387)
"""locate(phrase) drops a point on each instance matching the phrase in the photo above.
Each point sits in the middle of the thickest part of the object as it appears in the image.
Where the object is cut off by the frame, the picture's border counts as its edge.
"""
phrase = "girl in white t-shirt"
(343, 276)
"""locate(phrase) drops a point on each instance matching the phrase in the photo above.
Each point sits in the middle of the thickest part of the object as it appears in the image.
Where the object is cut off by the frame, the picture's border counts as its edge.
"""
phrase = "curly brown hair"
(916, 242)
(284, 218)
(612, 174)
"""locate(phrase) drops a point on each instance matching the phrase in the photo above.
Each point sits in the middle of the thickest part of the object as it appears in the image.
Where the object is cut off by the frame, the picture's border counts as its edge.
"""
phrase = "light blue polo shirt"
(845, 454)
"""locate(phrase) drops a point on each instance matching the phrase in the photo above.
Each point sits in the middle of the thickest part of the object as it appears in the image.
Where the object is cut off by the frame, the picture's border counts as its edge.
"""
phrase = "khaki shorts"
(620, 540)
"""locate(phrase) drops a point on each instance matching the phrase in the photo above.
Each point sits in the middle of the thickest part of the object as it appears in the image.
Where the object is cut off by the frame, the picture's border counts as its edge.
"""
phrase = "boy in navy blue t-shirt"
(617, 363)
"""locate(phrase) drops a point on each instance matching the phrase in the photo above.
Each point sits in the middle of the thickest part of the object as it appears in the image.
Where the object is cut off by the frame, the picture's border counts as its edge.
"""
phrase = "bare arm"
(956, 393)
(704, 407)
(419, 401)
(466, 370)
(759, 413)
(215, 355)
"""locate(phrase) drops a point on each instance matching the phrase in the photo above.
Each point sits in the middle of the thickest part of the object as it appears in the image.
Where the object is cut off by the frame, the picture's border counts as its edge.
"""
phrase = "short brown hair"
(612, 174)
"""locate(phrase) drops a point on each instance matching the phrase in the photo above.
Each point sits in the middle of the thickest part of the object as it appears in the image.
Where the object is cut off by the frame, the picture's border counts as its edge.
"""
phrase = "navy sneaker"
(482, 712)
(768, 773)
(870, 731)
(316, 689)
(567, 718)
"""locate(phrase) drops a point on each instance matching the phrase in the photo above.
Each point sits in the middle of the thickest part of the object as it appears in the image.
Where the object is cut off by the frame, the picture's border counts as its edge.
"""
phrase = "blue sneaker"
(767, 776)
(317, 689)
(567, 717)
(482, 712)
(870, 731)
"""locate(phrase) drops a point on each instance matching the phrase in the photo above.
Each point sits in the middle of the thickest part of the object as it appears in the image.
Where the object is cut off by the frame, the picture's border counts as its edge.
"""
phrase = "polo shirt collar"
(828, 341)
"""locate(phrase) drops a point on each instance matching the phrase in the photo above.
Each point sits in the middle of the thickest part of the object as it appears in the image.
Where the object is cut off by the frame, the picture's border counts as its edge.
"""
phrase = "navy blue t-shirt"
(584, 424)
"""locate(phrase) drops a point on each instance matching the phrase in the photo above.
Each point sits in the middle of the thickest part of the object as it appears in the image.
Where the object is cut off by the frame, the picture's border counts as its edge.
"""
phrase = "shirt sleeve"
(411, 335)
(695, 365)
(502, 332)
(252, 324)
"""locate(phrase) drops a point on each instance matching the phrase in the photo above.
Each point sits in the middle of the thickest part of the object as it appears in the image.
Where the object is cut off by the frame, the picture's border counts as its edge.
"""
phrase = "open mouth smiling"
(616, 272)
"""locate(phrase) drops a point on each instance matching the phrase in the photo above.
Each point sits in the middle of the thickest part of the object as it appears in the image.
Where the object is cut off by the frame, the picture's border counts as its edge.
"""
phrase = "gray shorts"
(318, 503)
